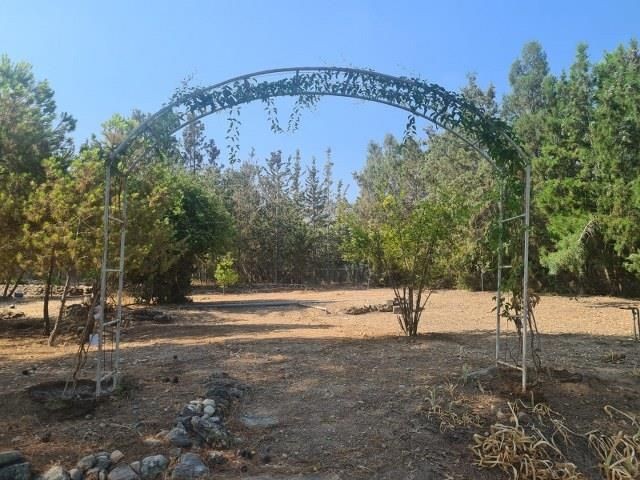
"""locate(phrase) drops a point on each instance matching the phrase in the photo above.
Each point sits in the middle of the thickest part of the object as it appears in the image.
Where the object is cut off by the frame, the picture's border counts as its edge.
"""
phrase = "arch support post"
(100, 314)
(525, 272)
(499, 270)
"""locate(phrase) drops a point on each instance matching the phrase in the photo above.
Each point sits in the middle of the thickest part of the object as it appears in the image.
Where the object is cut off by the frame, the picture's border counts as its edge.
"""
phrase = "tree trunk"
(63, 300)
(47, 294)
(6, 288)
(15, 285)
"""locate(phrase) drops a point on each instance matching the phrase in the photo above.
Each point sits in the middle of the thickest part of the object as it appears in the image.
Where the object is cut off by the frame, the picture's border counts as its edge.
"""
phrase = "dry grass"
(618, 454)
(526, 453)
(448, 408)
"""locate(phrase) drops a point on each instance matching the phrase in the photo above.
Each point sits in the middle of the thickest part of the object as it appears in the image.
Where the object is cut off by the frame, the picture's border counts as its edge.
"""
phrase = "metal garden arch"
(488, 136)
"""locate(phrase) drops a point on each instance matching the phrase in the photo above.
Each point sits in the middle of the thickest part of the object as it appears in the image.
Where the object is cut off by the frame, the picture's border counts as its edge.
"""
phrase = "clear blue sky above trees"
(108, 57)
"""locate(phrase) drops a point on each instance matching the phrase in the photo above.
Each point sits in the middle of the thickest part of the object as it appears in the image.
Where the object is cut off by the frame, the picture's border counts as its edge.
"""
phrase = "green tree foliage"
(586, 175)
(409, 238)
(182, 220)
(226, 276)
(31, 131)
(63, 221)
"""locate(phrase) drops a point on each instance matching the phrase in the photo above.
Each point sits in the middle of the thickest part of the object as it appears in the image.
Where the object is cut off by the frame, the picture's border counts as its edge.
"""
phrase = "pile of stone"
(10, 314)
(37, 290)
(381, 307)
(201, 422)
(76, 313)
(148, 315)
(99, 466)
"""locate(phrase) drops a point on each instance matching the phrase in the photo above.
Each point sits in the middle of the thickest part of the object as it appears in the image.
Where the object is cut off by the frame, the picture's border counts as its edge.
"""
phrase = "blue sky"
(103, 57)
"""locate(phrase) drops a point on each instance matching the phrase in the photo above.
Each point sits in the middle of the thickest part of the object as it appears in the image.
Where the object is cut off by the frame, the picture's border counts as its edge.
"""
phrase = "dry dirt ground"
(350, 395)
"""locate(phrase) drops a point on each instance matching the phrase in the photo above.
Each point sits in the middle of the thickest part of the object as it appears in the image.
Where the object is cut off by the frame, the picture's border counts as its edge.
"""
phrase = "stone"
(153, 467)
(259, 421)
(213, 433)
(85, 463)
(152, 442)
(123, 472)
(216, 457)
(209, 401)
(10, 457)
(190, 467)
(92, 474)
(209, 409)
(488, 372)
(178, 437)
(175, 452)
(103, 461)
(135, 466)
(17, 471)
(116, 456)
(75, 474)
(56, 473)
(190, 410)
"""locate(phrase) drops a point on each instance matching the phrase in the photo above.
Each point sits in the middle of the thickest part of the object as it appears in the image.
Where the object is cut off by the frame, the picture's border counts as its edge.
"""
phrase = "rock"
(190, 467)
(216, 457)
(17, 471)
(75, 474)
(175, 452)
(187, 413)
(178, 437)
(85, 463)
(488, 372)
(116, 456)
(223, 389)
(56, 473)
(209, 409)
(152, 442)
(10, 457)
(92, 474)
(153, 467)
(258, 421)
(211, 432)
(103, 461)
(123, 472)
(209, 401)
(135, 466)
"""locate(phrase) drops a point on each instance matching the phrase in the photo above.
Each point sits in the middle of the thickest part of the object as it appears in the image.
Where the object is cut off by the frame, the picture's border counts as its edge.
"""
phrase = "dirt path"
(343, 394)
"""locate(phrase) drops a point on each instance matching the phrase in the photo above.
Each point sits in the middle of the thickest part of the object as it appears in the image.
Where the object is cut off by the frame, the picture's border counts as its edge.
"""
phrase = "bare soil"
(349, 393)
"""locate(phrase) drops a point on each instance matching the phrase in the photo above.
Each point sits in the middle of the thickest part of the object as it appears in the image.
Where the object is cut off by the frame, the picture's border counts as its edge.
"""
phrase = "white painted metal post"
(123, 232)
(525, 275)
(103, 276)
(499, 270)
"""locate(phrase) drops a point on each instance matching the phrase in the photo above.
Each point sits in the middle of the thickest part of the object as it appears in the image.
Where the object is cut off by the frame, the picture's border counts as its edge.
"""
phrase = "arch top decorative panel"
(488, 135)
